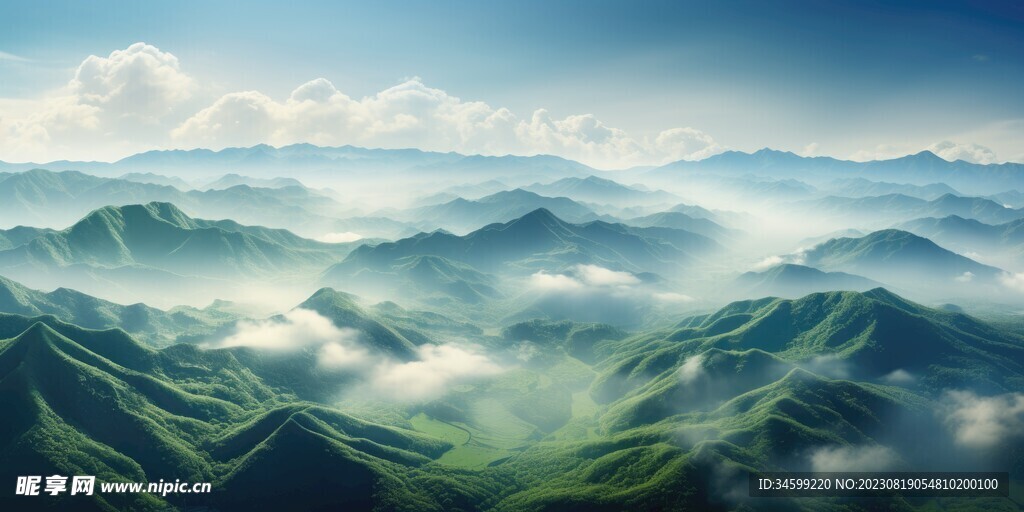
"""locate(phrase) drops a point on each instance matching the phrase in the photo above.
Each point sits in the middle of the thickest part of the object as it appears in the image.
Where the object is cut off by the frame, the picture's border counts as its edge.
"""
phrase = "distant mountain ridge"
(41, 197)
(499, 207)
(540, 240)
(900, 257)
(600, 190)
(156, 250)
(792, 281)
(922, 169)
(891, 208)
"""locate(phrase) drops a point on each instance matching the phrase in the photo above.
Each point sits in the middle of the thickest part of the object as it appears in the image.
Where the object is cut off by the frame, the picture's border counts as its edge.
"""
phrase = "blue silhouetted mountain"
(43, 198)
(20, 235)
(678, 220)
(899, 257)
(157, 179)
(602, 191)
(464, 215)
(923, 168)
(860, 187)
(897, 208)
(540, 240)
(792, 281)
(430, 278)
(970, 235)
(233, 180)
(159, 235)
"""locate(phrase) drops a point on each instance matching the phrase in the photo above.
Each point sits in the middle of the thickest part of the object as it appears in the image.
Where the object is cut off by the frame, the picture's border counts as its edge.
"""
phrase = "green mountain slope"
(155, 326)
(898, 257)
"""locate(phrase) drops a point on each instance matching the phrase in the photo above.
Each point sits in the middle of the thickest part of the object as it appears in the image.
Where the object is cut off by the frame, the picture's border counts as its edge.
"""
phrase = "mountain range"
(602, 191)
(464, 215)
(792, 281)
(126, 246)
(923, 169)
(892, 208)
(151, 325)
(56, 199)
(969, 235)
(540, 240)
(743, 387)
(900, 258)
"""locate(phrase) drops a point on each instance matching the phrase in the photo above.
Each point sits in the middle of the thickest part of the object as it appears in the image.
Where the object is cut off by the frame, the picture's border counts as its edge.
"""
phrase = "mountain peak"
(37, 331)
(926, 156)
(540, 216)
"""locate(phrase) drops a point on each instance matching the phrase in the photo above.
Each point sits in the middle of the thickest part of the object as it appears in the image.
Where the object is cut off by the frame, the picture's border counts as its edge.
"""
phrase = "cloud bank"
(853, 458)
(433, 372)
(142, 98)
(984, 421)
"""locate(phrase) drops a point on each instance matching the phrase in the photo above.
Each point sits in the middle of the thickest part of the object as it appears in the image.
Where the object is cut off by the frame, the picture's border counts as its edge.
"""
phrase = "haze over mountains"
(436, 331)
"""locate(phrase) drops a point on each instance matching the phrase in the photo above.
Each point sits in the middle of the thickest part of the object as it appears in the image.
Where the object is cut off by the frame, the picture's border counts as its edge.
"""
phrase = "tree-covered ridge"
(582, 416)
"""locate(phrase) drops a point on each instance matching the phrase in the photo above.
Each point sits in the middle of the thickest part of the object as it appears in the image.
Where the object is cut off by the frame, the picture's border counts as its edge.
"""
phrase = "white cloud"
(966, 277)
(984, 421)
(412, 114)
(554, 282)
(686, 144)
(112, 105)
(969, 152)
(1014, 281)
(583, 276)
(295, 329)
(12, 58)
(880, 152)
(140, 98)
(899, 376)
(437, 369)
(810, 149)
(672, 297)
(589, 280)
(829, 365)
(140, 81)
(769, 262)
(692, 369)
(599, 276)
(974, 153)
(336, 355)
(853, 458)
(339, 238)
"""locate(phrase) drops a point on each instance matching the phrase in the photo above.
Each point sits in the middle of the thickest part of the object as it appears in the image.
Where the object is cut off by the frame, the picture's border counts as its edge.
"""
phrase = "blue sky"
(847, 79)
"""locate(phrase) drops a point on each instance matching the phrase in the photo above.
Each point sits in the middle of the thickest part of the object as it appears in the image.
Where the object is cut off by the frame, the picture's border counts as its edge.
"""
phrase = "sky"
(612, 84)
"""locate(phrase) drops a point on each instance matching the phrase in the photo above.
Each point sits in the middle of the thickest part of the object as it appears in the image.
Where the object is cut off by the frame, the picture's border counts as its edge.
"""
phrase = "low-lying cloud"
(438, 368)
(339, 238)
(853, 458)
(588, 279)
(430, 375)
(546, 282)
(599, 276)
(581, 277)
(692, 369)
(983, 421)
(295, 329)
